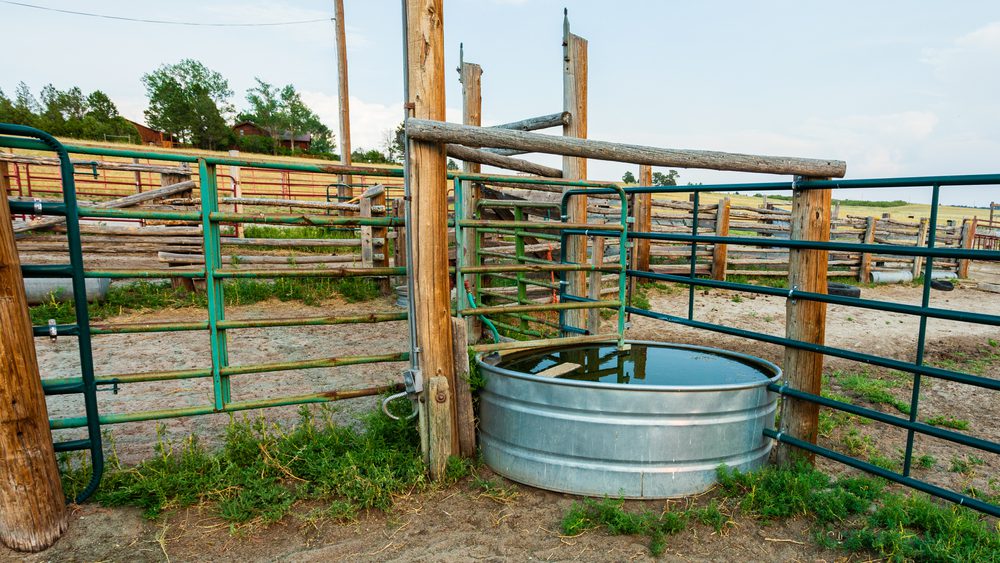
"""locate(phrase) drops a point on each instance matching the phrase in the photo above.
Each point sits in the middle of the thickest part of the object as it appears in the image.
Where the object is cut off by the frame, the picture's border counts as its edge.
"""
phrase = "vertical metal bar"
(623, 252)
(694, 254)
(216, 298)
(922, 334)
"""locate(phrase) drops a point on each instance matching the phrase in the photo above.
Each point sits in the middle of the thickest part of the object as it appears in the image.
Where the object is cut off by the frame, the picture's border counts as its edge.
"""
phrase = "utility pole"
(344, 102)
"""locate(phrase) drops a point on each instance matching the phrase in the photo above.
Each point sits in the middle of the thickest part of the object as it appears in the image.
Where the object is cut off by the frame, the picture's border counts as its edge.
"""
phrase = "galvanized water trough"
(654, 421)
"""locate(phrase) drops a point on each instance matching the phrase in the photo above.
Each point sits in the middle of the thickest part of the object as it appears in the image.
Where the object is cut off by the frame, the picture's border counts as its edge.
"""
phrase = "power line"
(164, 22)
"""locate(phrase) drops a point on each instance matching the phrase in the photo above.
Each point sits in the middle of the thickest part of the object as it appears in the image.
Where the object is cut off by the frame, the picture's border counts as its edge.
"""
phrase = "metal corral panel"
(632, 441)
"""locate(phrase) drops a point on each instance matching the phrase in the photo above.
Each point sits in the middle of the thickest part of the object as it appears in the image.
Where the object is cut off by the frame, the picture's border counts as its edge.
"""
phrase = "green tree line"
(67, 113)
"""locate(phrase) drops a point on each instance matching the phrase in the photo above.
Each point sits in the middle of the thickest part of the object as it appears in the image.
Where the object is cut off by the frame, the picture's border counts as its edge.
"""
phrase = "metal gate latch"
(413, 382)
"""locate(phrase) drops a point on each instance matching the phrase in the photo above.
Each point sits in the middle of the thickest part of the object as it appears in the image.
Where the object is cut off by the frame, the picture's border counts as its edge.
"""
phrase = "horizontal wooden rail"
(441, 132)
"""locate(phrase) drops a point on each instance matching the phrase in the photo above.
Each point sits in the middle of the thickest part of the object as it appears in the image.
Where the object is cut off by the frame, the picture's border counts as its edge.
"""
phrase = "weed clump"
(263, 470)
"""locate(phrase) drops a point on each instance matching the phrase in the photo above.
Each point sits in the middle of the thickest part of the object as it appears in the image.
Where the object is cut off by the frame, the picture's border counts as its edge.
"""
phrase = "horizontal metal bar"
(111, 212)
(934, 490)
(73, 445)
(316, 273)
(905, 182)
(125, 274)
(986, 255)
(541, 225)
(517, 329)
(46, 270)
(880, 361)
(879, 416)
(517, 203)
(509, 232)
(311, 220)
(29, 208)
(313, 321)
(142, 377)
(946, 314)
(503, 268)
(77, 422)
(499, 309)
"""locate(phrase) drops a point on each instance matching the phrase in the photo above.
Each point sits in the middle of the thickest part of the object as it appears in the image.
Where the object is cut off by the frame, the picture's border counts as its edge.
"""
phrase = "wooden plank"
(431, 298)
(574, 167)
(643, 219)
(366, 233)
(127, 201)
(719, 251)
(441, 132)
(89, 164)
(918, 261)
(467, 154)
(463, 391)
(32, 505)
(968, 236)
(805, 320)
(558, 370)
(441, 428)
(472, 113)
(865, 264)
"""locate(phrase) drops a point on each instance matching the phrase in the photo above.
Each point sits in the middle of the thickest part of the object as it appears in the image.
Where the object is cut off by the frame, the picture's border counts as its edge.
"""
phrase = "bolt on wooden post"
(805, 320)
(32, 505)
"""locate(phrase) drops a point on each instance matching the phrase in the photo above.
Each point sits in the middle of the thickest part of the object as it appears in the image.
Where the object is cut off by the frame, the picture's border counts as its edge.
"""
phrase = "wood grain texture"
(441, 132)
(805, 320)
(471, 76)
(343, 99)
(643, 218)
(865, 266)
(466, 428)
(720, 254)
(429, 205)
(441, 434)
(32, 505)
(477, 156)
(574, 167)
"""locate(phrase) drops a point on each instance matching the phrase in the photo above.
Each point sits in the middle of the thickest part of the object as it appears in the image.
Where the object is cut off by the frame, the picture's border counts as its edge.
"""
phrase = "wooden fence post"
(367, 252)
(968, 238)
(463, 391)
(643, 219)
(400, 247)
(32, 505)
(865, 265)
(575, 168)
(918, 261)
(805, 320)
(472, 110)
(720, 254)
(594, 288)
(429, 215)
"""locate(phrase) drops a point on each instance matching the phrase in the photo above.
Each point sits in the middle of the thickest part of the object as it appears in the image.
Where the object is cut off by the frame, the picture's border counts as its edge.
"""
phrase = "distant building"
(151, 136)
(302, 142)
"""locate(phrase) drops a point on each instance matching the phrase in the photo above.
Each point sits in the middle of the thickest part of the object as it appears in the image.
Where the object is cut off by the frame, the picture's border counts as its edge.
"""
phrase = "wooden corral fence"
(149, 244)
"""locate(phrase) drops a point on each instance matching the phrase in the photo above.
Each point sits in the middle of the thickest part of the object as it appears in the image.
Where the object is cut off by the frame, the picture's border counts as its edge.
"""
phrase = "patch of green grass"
(273, 232)
(860, 514)
(736, 298)
(767, 281)
(263, 470)
(964, 464)
(926, 461)
(872, 389)
(948, 422)
(611, 515)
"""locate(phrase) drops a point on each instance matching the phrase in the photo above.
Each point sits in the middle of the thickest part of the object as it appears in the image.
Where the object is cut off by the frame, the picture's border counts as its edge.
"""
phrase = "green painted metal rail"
(916, 368)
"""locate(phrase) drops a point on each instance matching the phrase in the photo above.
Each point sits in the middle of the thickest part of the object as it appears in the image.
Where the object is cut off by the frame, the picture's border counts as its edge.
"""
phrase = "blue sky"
(894, 88)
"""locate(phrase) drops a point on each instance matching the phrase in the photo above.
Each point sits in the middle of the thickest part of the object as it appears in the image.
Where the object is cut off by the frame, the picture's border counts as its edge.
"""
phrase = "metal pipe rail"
(917, 368)
(215, 324)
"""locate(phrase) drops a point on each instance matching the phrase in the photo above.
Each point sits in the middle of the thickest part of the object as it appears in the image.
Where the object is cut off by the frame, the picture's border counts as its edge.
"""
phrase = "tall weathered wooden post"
(345, 190)
(472, 114)
(32, 505)
(805, 320)
(429, 218)
(575, 168)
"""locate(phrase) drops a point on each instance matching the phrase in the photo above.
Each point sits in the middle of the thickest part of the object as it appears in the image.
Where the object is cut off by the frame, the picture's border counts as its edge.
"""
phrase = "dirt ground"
(459, 523)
